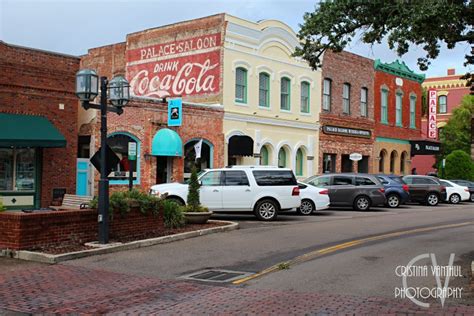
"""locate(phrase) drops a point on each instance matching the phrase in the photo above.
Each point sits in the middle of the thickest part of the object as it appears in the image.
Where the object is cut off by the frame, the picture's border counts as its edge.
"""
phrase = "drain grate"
(216, 275)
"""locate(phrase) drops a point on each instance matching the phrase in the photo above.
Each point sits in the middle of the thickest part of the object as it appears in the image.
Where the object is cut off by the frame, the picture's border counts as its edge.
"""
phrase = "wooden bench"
(74, 202)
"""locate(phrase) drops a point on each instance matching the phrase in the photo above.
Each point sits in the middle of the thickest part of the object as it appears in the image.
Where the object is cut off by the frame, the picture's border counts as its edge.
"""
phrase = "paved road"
(353, 277)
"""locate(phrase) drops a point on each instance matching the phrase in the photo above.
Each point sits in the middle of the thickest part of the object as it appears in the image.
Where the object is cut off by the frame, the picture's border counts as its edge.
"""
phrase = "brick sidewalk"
(67, 289)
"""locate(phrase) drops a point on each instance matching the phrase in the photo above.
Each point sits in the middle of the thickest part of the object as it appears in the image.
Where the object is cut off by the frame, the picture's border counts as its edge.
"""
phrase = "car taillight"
(466, 189)
(296, 191)
(405, 188)
(326, 192)
(443, 188)
(382, 190)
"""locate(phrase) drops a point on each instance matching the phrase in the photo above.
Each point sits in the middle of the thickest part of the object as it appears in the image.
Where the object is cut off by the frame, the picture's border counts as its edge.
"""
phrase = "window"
(327, 95)
(346, 95)
(382, 155)
(446, 184)
(443, 104)
(282, 158)
(363, 181)
(393, 157)
(320, 181)
(274, 178)
(119, 144)
(398, 109)
(212, 178)
(190, 157)
(264, 90)
(17, 169)
(412, 111)
(285, 94)
(304, 97)
(329, 163)
(342, 180)
(424, 181)
(364, 92)
(264, 156)
(241, 85)
(408, 180)
(383, 180)
(403, 160)
(236, 178)
(384, 103)
(299, 162)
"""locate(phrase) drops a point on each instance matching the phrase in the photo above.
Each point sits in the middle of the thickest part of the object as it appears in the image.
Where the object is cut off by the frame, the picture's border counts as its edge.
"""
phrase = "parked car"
(259, 189)
(361, 191)
(312, 199)
(396, 191)
(455, 193)
(425, 189)
(468, 184)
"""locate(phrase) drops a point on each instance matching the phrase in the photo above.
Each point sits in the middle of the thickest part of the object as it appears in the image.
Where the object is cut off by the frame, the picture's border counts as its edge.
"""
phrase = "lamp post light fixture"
(87, 84)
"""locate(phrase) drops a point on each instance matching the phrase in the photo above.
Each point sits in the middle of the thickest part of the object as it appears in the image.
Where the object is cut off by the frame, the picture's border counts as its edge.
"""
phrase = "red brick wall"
(35, 82)
(28, 231)
(358, 71)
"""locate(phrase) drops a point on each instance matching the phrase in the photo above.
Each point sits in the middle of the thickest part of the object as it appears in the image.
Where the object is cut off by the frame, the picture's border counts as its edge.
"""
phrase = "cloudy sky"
(73, 26)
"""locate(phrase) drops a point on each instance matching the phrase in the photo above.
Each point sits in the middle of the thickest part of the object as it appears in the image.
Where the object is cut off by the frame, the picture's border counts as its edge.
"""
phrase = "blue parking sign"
(175, 112)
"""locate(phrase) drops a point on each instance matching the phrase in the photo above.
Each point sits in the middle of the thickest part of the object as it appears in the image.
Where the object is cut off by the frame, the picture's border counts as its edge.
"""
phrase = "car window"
(342, 180)
(383, 181)
(274, 177)
(446, 184)
(424, 181)
(398, 180)
(408, 180)
(363, 181)
(236, 178)
(211, 178)
(320, 181)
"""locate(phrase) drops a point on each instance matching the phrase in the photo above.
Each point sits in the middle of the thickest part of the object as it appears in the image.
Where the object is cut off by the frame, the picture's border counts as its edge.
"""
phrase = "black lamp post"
(87, 85)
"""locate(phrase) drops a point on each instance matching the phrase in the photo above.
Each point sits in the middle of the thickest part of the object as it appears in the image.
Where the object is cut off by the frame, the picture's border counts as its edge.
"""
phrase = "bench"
(74, 202)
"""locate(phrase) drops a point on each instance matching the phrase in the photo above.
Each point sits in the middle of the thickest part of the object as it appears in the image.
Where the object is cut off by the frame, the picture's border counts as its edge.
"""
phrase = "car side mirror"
(199, 182)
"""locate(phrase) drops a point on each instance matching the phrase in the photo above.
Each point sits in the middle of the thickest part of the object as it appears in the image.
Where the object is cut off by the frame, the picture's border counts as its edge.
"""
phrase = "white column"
(256, 144)
(311, 152)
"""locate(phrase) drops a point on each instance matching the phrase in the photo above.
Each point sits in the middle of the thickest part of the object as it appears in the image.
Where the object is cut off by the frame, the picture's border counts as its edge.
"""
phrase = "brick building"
(347, 114)
(397, 93)
(38, 129)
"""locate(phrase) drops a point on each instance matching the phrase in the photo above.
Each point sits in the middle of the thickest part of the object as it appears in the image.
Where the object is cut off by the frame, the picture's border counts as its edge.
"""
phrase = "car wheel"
(307, 207)
(266, 210)
(472, 197)
(393, 201)
(362, 203)
(454, 198)
(175, 200)
(432, 199)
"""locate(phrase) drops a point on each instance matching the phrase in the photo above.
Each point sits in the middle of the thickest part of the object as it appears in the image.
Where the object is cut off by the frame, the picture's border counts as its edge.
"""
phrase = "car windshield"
(398, 180)
(199, 174)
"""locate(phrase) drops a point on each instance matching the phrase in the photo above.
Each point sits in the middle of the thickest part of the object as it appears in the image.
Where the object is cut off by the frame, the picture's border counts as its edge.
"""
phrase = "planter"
(197, 217)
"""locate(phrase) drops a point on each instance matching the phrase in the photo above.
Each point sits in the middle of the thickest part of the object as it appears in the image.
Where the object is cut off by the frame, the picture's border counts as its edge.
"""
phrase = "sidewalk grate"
(216, 275)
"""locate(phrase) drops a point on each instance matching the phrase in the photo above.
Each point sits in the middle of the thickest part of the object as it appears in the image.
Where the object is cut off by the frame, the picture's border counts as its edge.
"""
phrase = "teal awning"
(17, 130)
(167, 143)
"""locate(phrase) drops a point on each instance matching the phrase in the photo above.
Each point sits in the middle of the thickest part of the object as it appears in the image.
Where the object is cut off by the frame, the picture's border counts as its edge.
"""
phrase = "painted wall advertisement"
(432, 108)
(180, 68)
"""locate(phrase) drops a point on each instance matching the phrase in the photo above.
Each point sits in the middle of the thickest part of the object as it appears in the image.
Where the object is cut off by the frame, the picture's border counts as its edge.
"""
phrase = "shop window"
(285, 94)
(241, 85)
(282, 158)
(363, 165)
(364, 92)
(443, 104)
(17, 169)
(118, 142)
(327, 94)
(83, 147)
(299, 162)
(382, 157)
(346, 163)
(412, 111)
(305, 97)
(398, 109)
(329, 163)
(205, 161)
(384, 110)
(403, 161)
(264, 90)
(264, 159)
(393, 159)
(346, 98)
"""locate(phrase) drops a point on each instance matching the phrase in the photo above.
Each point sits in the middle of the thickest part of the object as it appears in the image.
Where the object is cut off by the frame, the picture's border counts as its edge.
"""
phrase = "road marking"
(317, 253)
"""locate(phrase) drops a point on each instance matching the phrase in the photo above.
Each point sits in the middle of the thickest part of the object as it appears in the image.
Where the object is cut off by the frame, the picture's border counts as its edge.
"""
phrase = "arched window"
(205, 161)
(403, 160)
(382, 156)
(282, 158)
(285, 94)
(264, 90)
(393, 158)
(264, 156)
(118, 142)
(241, 85)
(443, 104)
(299, 162)
(305, 87)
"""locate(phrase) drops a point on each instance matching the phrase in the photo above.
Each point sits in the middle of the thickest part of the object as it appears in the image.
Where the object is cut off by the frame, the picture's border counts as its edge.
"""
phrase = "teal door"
(82, 176)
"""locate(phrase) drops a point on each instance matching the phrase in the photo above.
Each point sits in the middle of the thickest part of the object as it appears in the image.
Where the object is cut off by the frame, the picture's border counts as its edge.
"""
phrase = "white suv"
(262, 190)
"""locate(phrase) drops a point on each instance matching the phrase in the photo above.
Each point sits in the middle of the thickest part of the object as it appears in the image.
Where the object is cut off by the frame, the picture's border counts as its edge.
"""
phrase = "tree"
(459, 165)
(193, 201)
(456, 134)
(334, 24)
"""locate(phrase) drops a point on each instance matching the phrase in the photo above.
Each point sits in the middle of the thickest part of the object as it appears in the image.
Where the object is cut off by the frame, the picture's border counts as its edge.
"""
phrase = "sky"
(74, 26)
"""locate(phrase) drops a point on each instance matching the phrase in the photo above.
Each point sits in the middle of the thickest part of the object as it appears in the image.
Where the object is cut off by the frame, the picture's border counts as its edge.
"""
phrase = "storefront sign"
(432, 108)
(424, 147)
(355, 157)
(175, 112)
(132, 151)
(346, 131)
(185, 67)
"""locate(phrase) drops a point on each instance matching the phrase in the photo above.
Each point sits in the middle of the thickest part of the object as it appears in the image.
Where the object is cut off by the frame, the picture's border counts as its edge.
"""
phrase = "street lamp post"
(87, 90)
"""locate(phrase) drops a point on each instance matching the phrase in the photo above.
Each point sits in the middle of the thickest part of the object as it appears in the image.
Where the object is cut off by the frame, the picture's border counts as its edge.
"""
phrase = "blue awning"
(167, 142)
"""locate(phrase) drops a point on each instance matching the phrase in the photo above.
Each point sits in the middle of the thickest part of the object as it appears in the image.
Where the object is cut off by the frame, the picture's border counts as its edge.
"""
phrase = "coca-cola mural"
(180, 68)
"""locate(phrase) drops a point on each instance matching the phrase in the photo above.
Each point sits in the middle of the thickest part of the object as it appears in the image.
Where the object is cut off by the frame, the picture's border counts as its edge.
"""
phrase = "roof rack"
(251, 166)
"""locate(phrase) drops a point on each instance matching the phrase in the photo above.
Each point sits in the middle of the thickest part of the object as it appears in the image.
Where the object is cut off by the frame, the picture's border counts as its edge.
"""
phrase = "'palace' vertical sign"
(432, 108)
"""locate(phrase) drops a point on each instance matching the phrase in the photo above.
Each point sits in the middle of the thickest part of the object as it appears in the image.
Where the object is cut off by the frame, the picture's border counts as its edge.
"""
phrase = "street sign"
(355, 157)
(132, 151)
(112, 160)
(175, 112)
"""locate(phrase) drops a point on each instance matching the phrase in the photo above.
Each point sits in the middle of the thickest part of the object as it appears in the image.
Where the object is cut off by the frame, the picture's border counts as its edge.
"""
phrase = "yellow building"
(271, 99)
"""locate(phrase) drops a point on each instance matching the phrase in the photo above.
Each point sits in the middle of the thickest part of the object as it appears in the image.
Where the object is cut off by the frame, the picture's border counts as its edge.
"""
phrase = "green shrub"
(193, 201)
(459, 165)
(123, 201)
(173, 214)
(2, 207)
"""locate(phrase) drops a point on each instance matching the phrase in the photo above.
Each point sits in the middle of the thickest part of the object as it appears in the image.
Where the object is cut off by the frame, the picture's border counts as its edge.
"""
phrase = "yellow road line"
(317, 253)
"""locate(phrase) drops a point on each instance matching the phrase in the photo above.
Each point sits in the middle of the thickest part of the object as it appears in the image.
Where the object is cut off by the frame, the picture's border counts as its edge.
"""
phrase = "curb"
(52, 259)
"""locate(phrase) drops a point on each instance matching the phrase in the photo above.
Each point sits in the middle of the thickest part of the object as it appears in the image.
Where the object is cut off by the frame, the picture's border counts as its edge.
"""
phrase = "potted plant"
(195, 213)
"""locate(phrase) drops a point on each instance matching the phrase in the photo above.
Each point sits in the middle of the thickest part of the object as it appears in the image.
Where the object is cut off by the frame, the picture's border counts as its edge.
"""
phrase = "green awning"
(18, 130)
(167, 142)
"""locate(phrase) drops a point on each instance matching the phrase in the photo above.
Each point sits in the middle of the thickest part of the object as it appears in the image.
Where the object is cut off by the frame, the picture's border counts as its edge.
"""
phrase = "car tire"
(266, 210)
(361, 203)
(393, 200)
(175, 200)
(454, 198)
(472, 197)
(432, 199)
(307, 207)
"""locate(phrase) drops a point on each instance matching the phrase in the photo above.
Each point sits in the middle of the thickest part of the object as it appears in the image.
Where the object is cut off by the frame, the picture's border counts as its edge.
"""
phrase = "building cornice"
(399, 69)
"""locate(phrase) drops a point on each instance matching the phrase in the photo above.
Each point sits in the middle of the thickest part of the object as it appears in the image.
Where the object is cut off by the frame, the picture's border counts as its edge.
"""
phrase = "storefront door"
(163, 169)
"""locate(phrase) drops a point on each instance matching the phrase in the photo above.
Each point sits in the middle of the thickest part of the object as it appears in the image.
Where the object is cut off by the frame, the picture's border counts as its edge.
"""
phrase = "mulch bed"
(72, 247)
